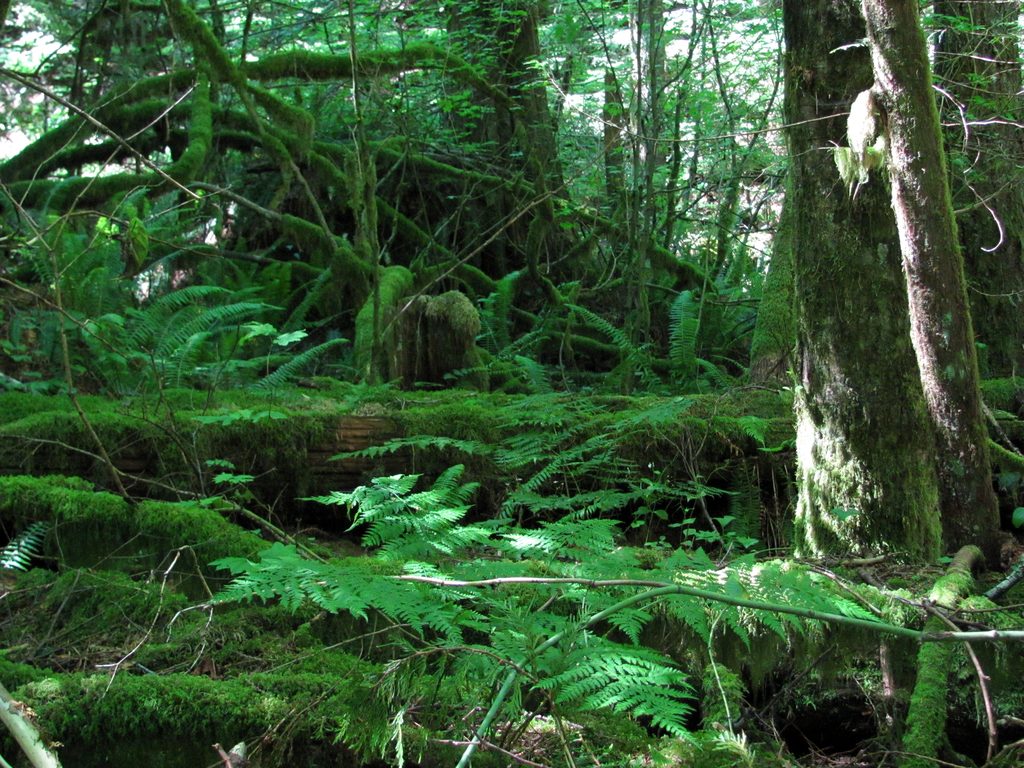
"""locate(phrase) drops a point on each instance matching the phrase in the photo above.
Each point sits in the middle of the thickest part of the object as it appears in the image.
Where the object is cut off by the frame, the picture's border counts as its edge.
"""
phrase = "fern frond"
(17, 554)
(179, 328)
(311, 293)
(684, 325)
(495, 314)
(636, 681)
(617, 336)
(433, 443)
(714, 375)
(297, 364)
(406, 525)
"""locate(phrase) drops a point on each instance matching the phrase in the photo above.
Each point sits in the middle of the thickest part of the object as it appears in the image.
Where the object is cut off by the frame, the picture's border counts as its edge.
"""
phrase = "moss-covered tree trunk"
(978, 59)
(941, 328)
(864, 446)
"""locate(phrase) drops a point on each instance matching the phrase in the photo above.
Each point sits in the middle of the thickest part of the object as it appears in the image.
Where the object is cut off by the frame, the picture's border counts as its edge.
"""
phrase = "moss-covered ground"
(113, 643)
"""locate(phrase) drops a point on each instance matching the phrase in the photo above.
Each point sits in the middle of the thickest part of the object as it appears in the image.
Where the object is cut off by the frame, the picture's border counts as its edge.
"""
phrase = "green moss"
(168, 442)
(775, 332)
(926, 721)
(17, 405)
(394, 284)
(204, 530)
(96, 711)
(319, 66)
(188, 25)
(457, 311)
(454, 414)
(14, 675)
(200, 134)
(299, 121)
(90, 526)
(1003, 394)
(60, 500)
(723, 694)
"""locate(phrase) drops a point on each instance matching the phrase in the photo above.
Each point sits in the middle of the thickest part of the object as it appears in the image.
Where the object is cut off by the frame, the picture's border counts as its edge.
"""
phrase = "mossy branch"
(310, 66)
(15, 717)
(97, 124)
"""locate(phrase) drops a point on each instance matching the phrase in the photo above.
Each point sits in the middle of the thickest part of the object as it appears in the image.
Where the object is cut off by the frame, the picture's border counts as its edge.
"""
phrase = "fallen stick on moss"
(1015, 576)
(15, 716)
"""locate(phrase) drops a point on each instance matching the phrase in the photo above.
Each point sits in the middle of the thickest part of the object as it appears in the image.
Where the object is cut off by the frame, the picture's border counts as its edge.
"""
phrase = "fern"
(558, 635)
(297, 364)
(311, 293)
(617, 336)
(406, 525)
(435, 443)
(628, 679)
(684, 324)
(495, 314)
(17, 554)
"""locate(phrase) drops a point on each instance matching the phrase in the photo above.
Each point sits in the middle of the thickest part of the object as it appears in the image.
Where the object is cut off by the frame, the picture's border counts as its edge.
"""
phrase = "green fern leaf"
(17, 554)
(297, 364)
(684, 325)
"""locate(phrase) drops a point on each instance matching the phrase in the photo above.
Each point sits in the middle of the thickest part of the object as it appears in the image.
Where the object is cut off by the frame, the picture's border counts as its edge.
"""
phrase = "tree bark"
(941, 329)
(864, 447)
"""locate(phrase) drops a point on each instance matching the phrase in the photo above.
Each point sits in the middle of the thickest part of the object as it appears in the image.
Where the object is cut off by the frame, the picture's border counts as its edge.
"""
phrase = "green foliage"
(87, 525)
(685, 323)
(163, 342)
(19, 551)
(624, 678)
(385, 506)
(562, 602)
(295, 365)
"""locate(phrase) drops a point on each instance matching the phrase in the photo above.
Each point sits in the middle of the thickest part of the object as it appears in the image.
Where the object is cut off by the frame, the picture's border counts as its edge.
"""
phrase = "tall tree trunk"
(940, 322)
(647, 121)
(978, 59)
(864, 446)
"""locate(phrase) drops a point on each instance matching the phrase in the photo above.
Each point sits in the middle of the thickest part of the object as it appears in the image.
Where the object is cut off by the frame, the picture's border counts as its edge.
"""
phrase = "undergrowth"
(546, 619)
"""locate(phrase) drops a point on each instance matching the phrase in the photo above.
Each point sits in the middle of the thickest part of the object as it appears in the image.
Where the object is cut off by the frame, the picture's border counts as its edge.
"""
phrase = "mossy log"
(170, 720)
(89, 526)
(288, 442)
(288, 449)
(926, 740)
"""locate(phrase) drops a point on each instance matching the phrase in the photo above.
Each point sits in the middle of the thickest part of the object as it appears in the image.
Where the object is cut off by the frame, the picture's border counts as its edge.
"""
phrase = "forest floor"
(113, 637)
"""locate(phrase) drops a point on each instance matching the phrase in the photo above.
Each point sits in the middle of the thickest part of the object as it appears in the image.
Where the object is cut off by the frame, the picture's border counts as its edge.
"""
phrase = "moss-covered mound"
(92, 528)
